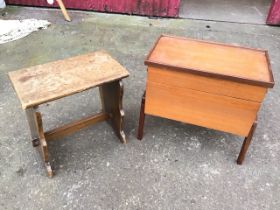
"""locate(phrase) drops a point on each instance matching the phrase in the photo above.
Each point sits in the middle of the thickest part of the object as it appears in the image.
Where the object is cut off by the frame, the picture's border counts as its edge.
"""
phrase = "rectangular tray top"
(50, 81)
(211, 59)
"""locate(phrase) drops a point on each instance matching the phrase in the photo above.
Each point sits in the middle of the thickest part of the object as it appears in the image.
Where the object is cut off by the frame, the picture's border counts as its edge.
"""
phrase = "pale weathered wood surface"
(218, 112)
(212, 58)
(50, 81)
(206, 84)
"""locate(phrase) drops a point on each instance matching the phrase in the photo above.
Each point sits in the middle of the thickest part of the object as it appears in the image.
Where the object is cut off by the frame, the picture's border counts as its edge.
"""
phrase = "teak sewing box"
(214, 85)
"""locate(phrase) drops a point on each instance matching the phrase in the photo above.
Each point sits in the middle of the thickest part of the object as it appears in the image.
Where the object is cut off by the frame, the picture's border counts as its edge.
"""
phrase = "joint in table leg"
(35, 142)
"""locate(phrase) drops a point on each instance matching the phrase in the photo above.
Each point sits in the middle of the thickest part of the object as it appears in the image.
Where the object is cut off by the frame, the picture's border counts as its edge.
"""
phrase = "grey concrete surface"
(175, 166)
(238, 11)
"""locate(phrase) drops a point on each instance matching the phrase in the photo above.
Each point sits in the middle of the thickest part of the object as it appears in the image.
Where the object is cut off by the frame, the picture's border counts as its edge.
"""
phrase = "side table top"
(54, 80)
(211, 59)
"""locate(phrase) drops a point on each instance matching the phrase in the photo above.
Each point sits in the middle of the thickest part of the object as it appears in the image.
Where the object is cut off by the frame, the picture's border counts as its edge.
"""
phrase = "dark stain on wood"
(25, 78)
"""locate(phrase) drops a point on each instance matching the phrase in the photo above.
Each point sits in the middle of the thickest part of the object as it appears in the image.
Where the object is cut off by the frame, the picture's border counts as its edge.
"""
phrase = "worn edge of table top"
(267, 84)
(26, 105)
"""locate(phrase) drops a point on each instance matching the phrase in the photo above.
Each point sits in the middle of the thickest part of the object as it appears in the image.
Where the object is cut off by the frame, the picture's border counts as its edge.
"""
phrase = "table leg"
(141, 119)
(111, 97)
(32, 125)
(246, 144)
(43, 142)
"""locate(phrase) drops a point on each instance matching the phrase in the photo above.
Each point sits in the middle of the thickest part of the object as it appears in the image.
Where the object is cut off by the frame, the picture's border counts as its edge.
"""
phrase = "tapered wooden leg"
(246, 144)
(43, 143)
(111, 97)
(141, 119)
(63, 10)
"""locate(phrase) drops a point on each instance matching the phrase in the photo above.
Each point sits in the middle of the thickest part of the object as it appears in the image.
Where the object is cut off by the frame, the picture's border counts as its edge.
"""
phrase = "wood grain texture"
(111, 97)
(141, 119)
(47, 82)
(212, 59)
(186, 80)
(30, 113)
(246, 144)
(75, 126)
(43, 147)
(43, 142)
(223, 113)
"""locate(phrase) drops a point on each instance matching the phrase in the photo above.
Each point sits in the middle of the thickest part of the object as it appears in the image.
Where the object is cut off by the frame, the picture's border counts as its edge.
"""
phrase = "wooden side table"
(44, 83)
(213, 85)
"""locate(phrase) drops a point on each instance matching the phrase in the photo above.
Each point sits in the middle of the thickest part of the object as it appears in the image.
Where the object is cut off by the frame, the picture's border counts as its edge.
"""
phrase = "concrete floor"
(175, 166)
(238, 11)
